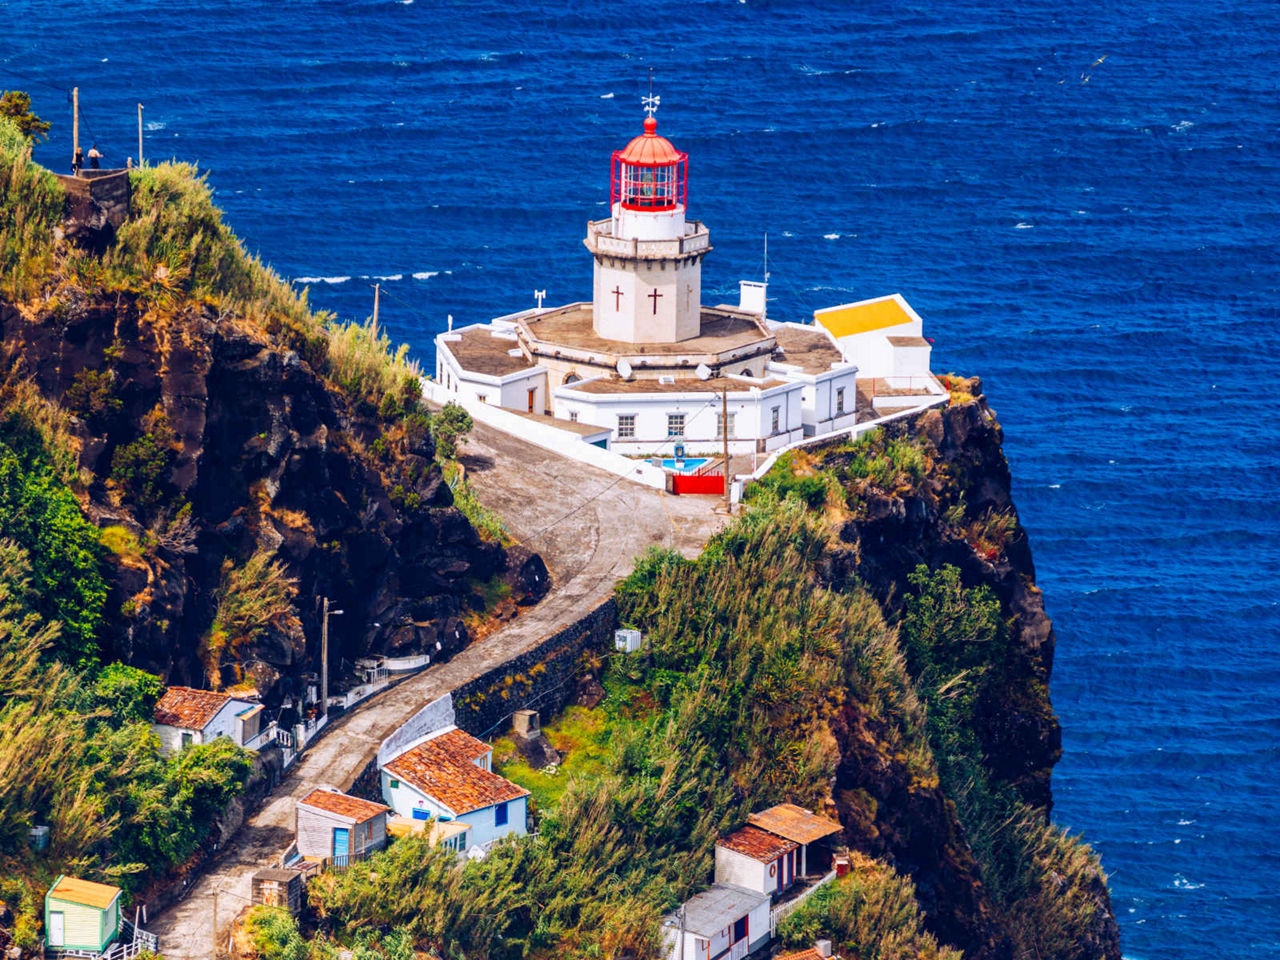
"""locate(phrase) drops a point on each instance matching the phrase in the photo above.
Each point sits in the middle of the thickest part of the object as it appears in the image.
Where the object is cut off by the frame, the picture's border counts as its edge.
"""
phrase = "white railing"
(781, 912)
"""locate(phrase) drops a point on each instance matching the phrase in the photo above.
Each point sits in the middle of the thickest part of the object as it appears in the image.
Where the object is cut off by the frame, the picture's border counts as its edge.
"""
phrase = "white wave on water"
(1182, 883)
(155, 125)
(1023, 225)
(831, 236)
(321, 279)
(606, 96)
(1182, 126)
(390, 276)
(426, 274)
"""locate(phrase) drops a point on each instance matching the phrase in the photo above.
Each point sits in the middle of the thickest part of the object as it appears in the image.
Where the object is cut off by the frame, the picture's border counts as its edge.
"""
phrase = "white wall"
(223, 724)
(743, 871)
(510, 390)
(406, 798)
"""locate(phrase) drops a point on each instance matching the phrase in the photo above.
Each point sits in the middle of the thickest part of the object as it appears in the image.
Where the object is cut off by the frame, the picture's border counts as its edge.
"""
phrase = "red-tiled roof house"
(186, 716)
(449, 776)
(332, 825)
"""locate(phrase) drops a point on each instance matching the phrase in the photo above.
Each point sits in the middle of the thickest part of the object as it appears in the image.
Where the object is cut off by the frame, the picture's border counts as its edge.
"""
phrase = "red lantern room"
(650, 174)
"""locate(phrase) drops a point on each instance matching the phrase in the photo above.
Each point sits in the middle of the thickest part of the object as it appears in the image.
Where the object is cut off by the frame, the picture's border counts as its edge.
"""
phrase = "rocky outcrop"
(253, 453)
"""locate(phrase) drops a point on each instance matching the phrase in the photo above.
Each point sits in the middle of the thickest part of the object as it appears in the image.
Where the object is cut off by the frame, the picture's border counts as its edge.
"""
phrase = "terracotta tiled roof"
(444, 768)
(757, 844)
(186, 707)
(73, 890)
(794, 823)
(331, 801)
(810, 954)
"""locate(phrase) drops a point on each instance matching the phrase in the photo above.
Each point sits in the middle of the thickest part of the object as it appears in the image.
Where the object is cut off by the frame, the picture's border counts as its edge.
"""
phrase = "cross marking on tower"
(654, 297)
(617, 298)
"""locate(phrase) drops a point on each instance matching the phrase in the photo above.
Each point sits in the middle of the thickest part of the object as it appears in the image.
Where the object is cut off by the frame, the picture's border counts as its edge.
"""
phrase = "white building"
(448, 776)
(648, 362)
(776, 849)
(186, 716)
(726, 921)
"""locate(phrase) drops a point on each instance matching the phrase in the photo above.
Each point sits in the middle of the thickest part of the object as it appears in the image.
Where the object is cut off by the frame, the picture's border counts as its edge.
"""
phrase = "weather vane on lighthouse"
(651, 102)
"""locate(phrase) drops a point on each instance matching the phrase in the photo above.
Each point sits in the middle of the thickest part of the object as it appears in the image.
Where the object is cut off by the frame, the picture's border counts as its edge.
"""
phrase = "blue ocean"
(1080, 199)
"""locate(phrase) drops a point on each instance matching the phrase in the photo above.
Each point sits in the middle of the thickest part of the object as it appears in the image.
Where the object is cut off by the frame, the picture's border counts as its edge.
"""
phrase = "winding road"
(589, 527)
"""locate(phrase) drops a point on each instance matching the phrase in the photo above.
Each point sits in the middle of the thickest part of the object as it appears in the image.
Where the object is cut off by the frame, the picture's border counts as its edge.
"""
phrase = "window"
(626, 425)
(482, 397)
(394, 784)
(840, 400)
(720, 425)
(186, 740)
(675, 424)
(739, 929)
(573, 416)
(500, 815)
(776, 411)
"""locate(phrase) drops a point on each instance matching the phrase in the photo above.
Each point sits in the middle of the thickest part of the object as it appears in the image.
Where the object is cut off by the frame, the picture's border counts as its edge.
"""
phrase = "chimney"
(823, 947)
(751, 296)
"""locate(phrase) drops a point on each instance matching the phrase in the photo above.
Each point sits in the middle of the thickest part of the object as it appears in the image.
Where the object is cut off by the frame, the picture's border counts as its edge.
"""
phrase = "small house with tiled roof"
(756, 859)
(82, 916)
(775, 849)
(449, 776)
(186, 716)
(330, 825)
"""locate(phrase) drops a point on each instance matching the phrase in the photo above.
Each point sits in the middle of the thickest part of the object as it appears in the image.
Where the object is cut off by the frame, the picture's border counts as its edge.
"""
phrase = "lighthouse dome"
(649, 149)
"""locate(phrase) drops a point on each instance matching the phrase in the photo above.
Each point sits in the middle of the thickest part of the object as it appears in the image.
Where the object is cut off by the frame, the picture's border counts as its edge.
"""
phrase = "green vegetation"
(31, 203)
(16, 105)
(254, 599)
(42, 516)
(725, 713)
(487, 523)
(871, 914)
(580, 736)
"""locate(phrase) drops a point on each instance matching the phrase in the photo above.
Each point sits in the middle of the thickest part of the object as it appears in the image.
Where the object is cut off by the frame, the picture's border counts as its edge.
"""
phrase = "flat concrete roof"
(571, 327)
(811, 350)
(479, 351)
(909, 341)
(581, 429)
(680, 385)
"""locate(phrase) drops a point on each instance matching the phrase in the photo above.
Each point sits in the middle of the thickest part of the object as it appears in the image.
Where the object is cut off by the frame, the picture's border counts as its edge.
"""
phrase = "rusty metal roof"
(189, 708)
(757, 844)
(794, 823)
(354, 808)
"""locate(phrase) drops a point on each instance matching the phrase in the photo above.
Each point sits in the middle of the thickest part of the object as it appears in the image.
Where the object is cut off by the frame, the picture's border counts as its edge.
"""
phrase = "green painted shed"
(81, 915)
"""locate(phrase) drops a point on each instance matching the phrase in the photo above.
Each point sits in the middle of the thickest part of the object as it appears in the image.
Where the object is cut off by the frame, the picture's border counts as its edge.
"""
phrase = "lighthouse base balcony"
(602, 241)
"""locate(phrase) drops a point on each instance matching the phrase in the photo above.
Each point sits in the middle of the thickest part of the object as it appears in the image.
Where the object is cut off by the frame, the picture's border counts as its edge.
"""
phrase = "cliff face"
(916, 825)
(253, 454)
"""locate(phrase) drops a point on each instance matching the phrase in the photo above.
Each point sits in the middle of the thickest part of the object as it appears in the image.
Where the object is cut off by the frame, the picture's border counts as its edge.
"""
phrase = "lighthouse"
(648, 256)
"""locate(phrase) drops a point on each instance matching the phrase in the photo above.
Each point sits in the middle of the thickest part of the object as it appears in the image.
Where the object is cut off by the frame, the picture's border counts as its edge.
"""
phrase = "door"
(532, 393)
(341, 845)
(57, 929)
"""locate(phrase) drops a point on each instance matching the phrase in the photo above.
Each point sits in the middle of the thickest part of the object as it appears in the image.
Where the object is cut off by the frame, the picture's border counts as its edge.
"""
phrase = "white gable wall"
(225, 723)
(743, 871)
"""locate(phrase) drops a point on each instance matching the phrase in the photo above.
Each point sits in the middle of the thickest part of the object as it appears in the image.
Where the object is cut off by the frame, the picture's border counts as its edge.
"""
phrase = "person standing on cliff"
(77, 162)
(95, 157)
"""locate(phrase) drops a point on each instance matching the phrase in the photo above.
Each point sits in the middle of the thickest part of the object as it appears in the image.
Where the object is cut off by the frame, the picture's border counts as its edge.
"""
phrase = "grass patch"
(579, 735)
(122, 542)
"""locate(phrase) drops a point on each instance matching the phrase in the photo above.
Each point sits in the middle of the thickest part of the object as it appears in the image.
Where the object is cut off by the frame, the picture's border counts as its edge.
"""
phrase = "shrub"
(31, 204)
(448, 427)
(128, 693)
(274, 934)
(253, 600)
(141, 469)
(92, 396)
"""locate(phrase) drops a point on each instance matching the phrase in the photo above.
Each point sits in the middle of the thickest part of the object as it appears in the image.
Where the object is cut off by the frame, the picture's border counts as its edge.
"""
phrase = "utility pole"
(376, 290)
(324, 657)
(75, 125)
(139, 134)
(215, 921)
(724, 431)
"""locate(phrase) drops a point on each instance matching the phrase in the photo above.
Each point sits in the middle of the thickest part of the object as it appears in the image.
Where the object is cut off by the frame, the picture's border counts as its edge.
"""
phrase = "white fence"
(781, 912)
(563, 442)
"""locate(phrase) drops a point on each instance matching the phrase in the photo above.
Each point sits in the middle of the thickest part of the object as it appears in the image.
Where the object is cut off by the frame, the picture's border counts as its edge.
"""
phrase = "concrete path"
(588, 525)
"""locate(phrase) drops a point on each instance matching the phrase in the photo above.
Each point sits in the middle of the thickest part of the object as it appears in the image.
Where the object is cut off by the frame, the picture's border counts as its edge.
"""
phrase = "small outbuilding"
(331, 825)
(81, 915)
(185, 716)
(274, 887)
(725, 921)
(812, 832)
(757, 860)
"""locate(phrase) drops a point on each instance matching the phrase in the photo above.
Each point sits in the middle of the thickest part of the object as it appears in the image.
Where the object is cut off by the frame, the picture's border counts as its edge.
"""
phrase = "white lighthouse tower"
(648, 257)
